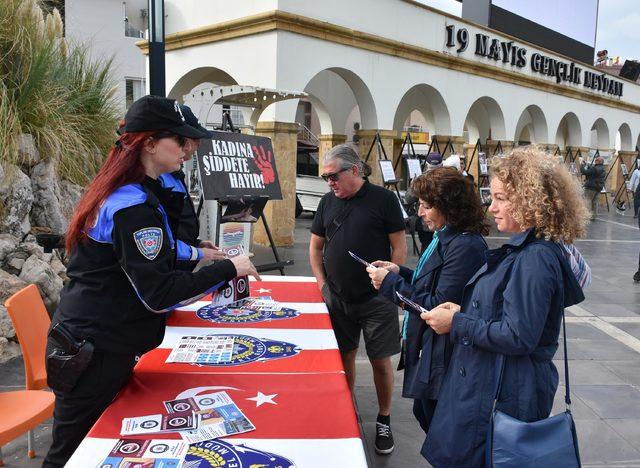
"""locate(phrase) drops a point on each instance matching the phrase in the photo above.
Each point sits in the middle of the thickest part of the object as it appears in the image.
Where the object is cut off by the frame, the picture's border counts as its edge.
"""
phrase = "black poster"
(234, 164)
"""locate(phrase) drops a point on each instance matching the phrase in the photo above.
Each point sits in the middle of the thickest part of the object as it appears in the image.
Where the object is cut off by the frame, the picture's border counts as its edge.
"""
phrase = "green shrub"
(53, 91)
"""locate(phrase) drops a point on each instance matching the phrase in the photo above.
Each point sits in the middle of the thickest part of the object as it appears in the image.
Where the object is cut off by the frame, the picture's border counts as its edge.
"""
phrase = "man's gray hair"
(347, 157)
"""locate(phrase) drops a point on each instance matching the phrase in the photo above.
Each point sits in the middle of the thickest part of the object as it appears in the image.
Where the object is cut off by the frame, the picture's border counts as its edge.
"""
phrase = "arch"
(485, 120)
(626, 143)
(363, 96)
(197, 76)
(532, 123)
(569, 132)
(600, 135)
(430, 103)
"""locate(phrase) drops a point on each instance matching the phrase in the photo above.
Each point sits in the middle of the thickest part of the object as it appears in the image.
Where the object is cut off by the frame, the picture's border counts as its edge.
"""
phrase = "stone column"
(491, 145)
(402, 167)
(280, 214)
(458, 142)
(327, 142)
(366, 138)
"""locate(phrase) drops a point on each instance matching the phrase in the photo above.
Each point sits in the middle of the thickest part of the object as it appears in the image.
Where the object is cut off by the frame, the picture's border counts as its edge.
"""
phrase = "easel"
(227, 125)
(377, 142)
(625, 178)
(412, 155)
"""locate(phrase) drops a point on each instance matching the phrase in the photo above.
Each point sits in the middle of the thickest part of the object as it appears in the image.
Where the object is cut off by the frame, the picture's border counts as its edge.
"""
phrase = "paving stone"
(631, 328)
(629, 429)
(599, 443)
(587, 373)
(408, 438)
(628, 371)
(610, 401)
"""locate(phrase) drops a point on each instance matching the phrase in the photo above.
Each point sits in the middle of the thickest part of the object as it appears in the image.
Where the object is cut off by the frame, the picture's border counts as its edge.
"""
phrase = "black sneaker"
(384, 439)
(636, 276)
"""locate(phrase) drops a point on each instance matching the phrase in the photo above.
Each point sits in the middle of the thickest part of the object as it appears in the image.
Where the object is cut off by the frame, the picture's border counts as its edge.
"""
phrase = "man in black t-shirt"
(367, 220)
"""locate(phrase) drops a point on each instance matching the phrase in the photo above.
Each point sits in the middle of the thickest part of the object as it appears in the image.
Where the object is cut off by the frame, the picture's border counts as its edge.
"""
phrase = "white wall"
(378, 82)
(99, 25)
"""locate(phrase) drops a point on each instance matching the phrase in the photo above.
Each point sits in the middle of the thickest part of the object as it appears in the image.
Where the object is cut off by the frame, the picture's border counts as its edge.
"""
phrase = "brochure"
(146, 453)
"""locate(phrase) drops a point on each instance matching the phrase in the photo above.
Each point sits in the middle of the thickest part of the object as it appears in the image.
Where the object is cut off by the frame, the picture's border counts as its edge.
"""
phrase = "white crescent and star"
(261, 398)
(262, 290)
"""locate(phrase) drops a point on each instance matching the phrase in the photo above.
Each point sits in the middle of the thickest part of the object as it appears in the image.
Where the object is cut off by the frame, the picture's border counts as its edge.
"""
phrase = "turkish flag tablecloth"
(285, 374)
(296, 315)
(285, 289)
(316, 408)
(256, 350)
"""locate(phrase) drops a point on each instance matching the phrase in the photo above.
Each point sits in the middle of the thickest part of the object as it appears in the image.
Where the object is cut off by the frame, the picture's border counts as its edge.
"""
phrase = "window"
(133, 90)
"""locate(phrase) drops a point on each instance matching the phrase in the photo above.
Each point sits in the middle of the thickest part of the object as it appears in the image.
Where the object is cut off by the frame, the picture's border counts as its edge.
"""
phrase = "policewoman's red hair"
(122, 166)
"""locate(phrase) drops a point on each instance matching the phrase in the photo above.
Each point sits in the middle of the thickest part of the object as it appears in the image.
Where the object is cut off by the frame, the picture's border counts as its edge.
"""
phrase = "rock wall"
(32, 199)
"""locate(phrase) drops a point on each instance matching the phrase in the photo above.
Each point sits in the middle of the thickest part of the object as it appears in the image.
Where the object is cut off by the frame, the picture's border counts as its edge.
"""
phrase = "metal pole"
(156, 48)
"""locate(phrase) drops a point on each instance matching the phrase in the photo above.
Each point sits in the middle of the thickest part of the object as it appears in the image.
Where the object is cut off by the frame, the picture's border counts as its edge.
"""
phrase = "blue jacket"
(426, 354)
(513, 305)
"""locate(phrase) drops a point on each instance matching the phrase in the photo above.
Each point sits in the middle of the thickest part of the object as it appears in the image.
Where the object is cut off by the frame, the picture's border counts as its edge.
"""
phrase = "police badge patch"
(218, 453)
(247, 349)
(149, 241)
(227, 314)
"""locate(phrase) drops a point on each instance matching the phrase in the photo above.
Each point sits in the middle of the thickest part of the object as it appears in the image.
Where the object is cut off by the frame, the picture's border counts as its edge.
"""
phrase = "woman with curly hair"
(449, 206)
(512, 307)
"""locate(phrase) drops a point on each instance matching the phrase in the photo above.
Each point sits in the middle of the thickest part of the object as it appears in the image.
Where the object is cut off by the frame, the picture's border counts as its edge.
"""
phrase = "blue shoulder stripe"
(169, 181)
(123, 197)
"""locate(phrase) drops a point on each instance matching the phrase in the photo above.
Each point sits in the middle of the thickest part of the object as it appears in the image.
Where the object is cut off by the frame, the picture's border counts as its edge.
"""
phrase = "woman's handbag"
(550, 442)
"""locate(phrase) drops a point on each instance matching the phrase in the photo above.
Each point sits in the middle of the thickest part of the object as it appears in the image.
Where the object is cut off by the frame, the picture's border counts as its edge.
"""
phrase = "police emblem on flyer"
(226, 314)
(217, 453)
(149, 241)
(248, 349)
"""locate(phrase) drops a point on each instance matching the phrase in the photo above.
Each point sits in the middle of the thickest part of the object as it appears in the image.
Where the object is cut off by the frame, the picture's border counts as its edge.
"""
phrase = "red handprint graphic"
(263, 161)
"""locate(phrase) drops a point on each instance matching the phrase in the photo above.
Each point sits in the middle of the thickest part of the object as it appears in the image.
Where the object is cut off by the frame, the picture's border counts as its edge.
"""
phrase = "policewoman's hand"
(212, 254)
(389, 266)
(377, 275)
(245, 267)
(440, 318)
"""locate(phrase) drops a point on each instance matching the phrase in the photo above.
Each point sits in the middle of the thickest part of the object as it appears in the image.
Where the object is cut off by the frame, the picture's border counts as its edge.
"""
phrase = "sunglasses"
(334, 176)
(182, 141)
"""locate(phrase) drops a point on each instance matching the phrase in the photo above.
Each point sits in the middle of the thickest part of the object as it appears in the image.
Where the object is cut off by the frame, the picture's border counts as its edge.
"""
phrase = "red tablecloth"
(308, 416)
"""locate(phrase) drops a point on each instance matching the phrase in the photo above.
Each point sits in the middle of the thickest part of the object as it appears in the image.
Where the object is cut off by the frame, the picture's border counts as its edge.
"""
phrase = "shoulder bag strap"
(337, 222)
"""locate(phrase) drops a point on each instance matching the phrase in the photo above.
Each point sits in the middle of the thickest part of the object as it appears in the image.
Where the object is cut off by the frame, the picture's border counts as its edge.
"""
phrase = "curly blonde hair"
(543, 194)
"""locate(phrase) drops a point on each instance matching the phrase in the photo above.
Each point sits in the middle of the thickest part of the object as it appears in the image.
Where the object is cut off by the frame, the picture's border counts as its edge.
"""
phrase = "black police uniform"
(188, 253)
(122, 282)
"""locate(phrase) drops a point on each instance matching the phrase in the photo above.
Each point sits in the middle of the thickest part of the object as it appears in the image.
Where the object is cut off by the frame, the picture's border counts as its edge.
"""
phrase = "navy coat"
(426, 355)
(513, 305)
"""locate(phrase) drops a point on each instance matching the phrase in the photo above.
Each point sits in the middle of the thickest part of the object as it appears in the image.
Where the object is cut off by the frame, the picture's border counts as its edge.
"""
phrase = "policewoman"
(190, 249)
(122, 276)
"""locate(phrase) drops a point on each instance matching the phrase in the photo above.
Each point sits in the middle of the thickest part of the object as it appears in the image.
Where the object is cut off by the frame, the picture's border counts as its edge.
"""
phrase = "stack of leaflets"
(262, 304)
(203, 349)
(196, 419)
(146, 453)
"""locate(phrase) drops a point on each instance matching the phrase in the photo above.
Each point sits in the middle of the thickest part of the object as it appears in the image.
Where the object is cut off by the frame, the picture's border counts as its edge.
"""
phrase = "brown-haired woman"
(450, 207)
(511, 310)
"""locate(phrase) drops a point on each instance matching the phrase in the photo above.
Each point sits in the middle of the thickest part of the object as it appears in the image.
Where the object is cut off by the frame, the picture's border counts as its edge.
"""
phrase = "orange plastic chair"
(22, 411)
(31, 322)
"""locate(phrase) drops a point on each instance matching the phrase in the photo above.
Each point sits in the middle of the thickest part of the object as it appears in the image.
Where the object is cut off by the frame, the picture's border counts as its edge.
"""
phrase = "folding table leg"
(31, 453)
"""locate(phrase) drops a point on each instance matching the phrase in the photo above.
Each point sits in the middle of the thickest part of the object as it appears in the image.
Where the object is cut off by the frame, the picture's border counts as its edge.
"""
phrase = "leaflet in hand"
(146, 453)
(417, 307)
(203, 349)
(218, 416)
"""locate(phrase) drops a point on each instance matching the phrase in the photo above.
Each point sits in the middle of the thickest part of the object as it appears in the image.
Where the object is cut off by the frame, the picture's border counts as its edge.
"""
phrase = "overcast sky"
(619, 28)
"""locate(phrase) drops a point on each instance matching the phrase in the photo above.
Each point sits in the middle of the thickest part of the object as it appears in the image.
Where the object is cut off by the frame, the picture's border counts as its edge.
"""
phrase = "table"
(298, 399)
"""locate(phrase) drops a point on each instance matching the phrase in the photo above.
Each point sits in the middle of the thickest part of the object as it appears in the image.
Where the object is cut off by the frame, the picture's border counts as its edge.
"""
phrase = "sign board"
(235, 164)
(417, 138)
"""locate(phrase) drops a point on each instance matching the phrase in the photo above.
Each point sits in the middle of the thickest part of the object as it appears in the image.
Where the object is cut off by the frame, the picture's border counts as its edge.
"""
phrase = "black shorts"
(377, 318)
